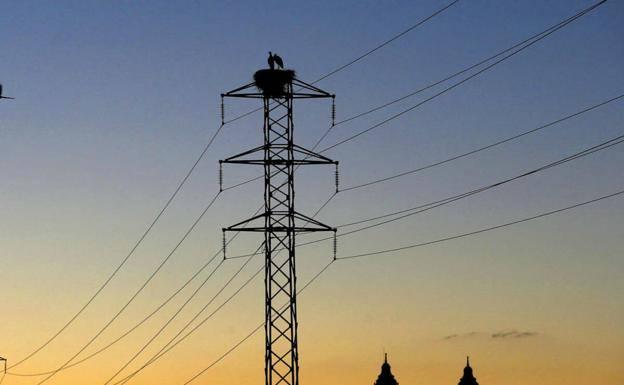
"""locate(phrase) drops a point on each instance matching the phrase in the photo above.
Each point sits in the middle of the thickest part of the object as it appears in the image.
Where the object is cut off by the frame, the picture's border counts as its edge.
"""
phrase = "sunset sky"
(115, 101)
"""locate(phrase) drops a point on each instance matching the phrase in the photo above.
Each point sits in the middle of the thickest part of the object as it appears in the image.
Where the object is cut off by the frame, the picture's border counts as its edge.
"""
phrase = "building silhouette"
(386, 377)
(468, 378)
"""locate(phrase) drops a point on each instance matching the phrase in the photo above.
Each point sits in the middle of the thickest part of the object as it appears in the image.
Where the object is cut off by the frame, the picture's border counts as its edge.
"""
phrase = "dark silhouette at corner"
(273, 60)
(2, 96)
(468, 378)
(386, 377)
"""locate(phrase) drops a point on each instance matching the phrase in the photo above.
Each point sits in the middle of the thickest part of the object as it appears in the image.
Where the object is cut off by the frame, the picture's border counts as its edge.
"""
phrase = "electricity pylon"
(279, 222)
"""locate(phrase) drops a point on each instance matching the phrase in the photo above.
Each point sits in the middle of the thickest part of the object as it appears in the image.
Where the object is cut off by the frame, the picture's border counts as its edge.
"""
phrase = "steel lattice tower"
(279, 222)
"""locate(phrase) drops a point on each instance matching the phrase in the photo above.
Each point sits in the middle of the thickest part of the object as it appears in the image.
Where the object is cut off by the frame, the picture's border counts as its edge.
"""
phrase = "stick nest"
(273, 82)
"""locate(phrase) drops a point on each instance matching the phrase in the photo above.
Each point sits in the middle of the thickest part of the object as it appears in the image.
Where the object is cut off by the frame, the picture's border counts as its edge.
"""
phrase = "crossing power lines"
(412, 246)
(161, 212)
(584, 203)
(342, 190)
(406, 213)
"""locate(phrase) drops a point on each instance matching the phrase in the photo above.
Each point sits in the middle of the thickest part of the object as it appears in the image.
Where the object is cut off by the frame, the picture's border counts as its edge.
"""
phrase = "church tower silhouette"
(386, 377)
(468, 378)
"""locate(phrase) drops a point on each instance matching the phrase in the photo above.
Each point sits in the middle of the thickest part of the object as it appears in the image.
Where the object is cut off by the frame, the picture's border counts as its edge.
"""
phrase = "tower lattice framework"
(280, 222)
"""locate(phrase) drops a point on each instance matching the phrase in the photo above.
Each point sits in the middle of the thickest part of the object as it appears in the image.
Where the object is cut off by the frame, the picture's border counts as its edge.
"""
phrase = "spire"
(386, 377)
(468, 377)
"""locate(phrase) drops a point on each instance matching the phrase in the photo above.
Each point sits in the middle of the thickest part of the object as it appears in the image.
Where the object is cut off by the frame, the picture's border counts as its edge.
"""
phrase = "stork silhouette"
(4, 97)
(278, 61)
(273, 60)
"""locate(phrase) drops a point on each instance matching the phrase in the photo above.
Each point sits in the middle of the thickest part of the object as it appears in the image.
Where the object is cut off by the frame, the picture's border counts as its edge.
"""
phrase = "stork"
(278, 61)
(3, 97)
(271, 61)
(275, 59)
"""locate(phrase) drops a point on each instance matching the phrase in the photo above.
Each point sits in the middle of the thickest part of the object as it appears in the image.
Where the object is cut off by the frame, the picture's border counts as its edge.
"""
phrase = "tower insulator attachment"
(335, 245)
(333, 111)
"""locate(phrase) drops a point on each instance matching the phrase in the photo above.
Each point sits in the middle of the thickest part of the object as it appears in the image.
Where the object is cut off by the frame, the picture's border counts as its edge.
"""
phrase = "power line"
(514, 53)
(359, 59)
(483, 148)
(486, 147)
(453, 86)
(172, 343)
(125, 259)
(163, 327)
(541, 35)
(544, 32)
(163, 262)
(441, 240)
(453, 158)
(166, 348)
(395, 37)
(254, 331)
(585, 152)
(423, 21)
(186, 325)
(129, 331)
(130, 253)
(367, 53)
(590, 150)
(577, 155)
(456, 157)
(438, 82)
(442, 202)
(186, 177)
(386, 251)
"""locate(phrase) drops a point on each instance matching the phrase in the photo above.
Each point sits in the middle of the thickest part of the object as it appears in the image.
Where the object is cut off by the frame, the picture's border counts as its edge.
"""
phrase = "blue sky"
(115, 101)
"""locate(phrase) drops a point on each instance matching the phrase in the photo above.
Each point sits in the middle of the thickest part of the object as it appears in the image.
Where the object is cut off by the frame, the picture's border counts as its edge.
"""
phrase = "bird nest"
(273, 82)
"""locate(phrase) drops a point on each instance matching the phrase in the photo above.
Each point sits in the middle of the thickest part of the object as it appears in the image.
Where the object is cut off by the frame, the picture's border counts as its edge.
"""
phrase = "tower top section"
(277, 84)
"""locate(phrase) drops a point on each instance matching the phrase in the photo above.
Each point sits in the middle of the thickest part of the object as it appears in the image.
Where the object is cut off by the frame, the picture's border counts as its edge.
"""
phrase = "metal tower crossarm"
(304, 91)
(309, 157)
(279, 222)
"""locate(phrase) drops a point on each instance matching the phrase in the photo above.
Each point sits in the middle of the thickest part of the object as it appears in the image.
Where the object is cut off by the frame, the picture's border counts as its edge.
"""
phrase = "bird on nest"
(275, 59)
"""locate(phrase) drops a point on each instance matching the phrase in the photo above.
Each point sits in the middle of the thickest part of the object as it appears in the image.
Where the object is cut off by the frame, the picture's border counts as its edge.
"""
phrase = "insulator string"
(220, 176)
(337, 178)
(224, 245)
(222, 111)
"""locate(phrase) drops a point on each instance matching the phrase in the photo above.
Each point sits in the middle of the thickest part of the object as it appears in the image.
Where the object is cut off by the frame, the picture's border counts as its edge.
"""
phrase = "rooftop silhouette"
(468, 378)
(386, 377)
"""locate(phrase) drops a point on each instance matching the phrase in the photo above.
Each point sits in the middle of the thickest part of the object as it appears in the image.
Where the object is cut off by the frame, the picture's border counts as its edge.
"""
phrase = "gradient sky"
(115, 101)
